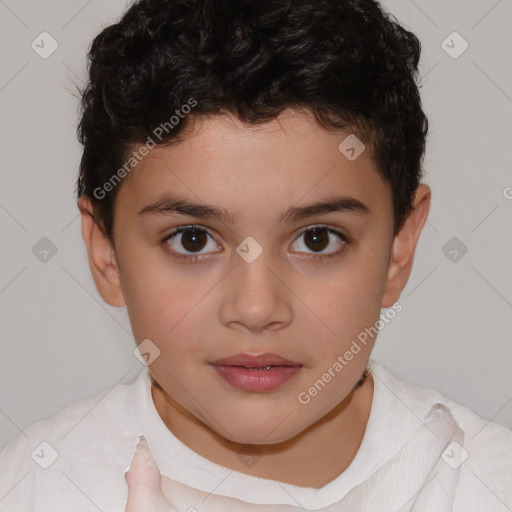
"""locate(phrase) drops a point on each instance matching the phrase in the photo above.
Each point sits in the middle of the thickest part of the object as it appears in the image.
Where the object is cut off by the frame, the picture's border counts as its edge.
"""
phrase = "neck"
(312, 458)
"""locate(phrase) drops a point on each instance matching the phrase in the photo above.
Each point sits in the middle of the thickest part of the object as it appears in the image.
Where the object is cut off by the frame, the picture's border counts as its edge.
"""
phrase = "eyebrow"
(172, 205)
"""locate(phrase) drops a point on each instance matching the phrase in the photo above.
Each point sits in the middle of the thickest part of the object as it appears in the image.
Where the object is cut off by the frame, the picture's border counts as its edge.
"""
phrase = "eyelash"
(194, 259)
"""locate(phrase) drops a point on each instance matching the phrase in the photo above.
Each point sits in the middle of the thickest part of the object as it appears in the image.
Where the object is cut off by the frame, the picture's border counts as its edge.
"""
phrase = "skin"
(284, 302)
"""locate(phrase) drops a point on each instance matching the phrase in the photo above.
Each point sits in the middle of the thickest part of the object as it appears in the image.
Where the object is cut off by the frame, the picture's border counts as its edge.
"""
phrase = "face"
(271, 275)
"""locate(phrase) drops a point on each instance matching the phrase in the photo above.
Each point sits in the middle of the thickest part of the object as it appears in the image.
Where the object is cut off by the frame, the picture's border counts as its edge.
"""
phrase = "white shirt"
(88, 445)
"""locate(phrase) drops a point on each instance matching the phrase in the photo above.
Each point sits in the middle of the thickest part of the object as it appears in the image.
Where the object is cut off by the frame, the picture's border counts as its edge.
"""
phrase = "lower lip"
(254, 379)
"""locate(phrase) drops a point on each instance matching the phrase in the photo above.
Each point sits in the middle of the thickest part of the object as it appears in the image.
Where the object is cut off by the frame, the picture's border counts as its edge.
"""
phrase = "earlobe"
(404, 246)
(101, 254)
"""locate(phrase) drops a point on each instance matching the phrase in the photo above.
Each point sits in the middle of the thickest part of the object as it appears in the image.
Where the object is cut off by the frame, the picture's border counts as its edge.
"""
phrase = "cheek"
(162, 312)
(348, 300)
(170, 307)
(158, 299)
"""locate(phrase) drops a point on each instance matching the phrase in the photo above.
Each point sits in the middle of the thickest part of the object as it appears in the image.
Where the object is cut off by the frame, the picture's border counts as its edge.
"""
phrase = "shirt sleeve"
(17, 476)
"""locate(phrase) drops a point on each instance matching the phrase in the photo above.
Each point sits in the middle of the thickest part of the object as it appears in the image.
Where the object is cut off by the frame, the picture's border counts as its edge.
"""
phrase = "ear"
(102, 260)
(404, 245)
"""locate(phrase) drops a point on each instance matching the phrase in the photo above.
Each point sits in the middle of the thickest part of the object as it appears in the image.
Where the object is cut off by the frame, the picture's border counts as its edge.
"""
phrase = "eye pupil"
(193, 239)
(319, 238)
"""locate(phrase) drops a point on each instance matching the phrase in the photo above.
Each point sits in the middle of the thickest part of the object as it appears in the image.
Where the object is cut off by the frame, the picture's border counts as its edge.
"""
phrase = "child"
(250, 189)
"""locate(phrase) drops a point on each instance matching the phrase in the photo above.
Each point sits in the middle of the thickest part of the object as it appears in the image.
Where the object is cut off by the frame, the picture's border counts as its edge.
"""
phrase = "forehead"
(251, 169)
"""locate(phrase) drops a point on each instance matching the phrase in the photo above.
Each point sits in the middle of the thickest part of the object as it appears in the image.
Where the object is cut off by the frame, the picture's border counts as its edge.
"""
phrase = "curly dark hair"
(347, 61)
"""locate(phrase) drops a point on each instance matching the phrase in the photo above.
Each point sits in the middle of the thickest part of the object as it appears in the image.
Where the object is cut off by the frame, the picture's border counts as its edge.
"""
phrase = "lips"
(265, 372)
(250, 361)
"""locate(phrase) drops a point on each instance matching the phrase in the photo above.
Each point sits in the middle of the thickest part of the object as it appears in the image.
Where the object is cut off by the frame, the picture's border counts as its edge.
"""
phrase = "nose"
(255, 296)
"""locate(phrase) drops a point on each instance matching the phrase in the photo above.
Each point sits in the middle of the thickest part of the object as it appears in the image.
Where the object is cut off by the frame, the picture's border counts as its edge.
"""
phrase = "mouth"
(265, 372)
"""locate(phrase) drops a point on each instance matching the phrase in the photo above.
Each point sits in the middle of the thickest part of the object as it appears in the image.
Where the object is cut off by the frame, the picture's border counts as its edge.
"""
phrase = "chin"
(252, 434)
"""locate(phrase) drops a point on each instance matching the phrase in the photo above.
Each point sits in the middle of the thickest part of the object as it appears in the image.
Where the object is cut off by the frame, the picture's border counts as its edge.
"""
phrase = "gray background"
(60, 342)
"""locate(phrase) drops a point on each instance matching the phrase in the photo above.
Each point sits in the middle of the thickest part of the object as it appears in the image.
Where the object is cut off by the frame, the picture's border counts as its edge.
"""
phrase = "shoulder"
(485, 479)
(69, 452)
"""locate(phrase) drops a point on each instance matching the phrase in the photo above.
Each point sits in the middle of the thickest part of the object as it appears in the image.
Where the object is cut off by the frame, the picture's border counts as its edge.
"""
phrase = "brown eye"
(193, 239)
(320, 238)
(316, 239)
(190, 241)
